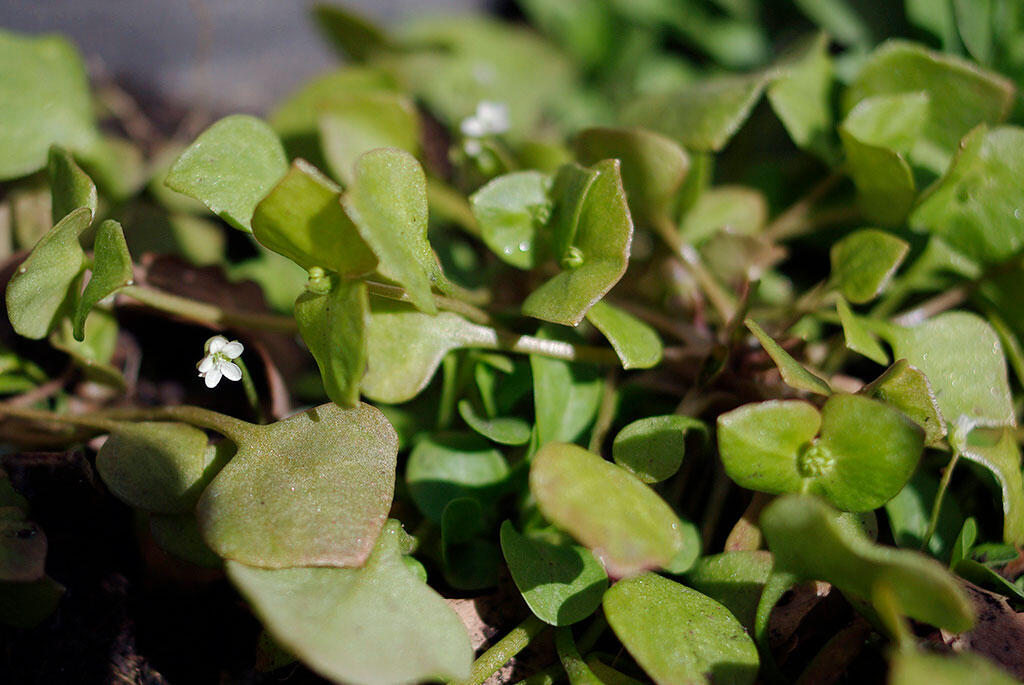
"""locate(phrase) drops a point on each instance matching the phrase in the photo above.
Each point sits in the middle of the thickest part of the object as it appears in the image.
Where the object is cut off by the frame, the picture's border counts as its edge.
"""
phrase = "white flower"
(491, 118)
(217, 362)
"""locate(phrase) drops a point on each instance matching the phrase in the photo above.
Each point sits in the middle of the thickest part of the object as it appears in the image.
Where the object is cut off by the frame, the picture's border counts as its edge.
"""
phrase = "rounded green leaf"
(637, 344)
(311, 490)
(864, 262)
(913, 667)
(907, 389)
(179, 536)
(332, 316)
(111, 270)
(507, 430)
(43, 288)
(735, 208)
(566, 396)
(302, 219)
(70, 187)
(375, 625)
(449, 466)
(359, 122)
(159, 467)
(625, 523)
(509, 209)
(810, 541)
(678, 635)
(44, 100)
(734, 579)
(652, 448)
(230, 167)
(562, 584)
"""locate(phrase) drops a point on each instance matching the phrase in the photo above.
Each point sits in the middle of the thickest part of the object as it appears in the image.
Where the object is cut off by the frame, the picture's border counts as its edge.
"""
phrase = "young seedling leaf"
(302, 219)
(734, 579)
(375, 625)
(793, 372)
(111, 270)
(230, 167)
(70, 187)
(678, 635)
(387, 201)
(606, 508)
(636, 343)
(810, 541)
(44, 287)
(449, 466)
(332, 317)
(509, 210)
(864, 262)
(311, 490)
(506, 430)
(652, 448)
(160, 467)
(907, 389)
(857, 337)
(360, 122)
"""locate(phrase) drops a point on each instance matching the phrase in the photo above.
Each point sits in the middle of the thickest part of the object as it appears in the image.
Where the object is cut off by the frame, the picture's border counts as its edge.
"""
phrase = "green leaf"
(793, 372)
(770, 447)
(907, 389)
(996, 449)
(735, 579)
(561, 583)
(387, 201)
(686, 557)
(987, 578)
(508, 430)
(93, 353)
(159, 467)
(44, 101)
(962, 95)
(375, 625)
(26, 605)
(839, 19)
(703, 116)
(566, 396)
(652, 448)
(678, 635)
(623, 522)
(23, 551)
(470, 562)
(936, 17)
(302, 219)
(310, 490)
(360, 122)
(962, 357)
(70, 187)
(602, 245)
(653, 167)
(909, 513)
(636, 343)
(509, 209)
(735, 208)
(976, 207)
(230, 167)
(111, 270)
(179, 536)
(332, 316)
(810, 541)
(801, 95)
(913, 667)
(864, 262)
(569, 190)
(352, 34)
(449, 466)
(43, 289)
(116, 165)
(964, 542)
(974, 20)
(858, 338)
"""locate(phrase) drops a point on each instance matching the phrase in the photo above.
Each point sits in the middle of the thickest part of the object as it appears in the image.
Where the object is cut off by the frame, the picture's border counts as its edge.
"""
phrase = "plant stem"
(719, 297)
(250, 391)
(91, 421)
(504, 650)
(575, 667)
(933, 521)
(549, 676)
(794, 219)
(936, 305)
(605, 413)
(205, 312)
(556, 349)
(393, 292)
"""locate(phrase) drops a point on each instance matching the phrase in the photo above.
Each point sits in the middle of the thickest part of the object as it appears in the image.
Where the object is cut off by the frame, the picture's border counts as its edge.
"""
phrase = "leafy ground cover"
(615, 342)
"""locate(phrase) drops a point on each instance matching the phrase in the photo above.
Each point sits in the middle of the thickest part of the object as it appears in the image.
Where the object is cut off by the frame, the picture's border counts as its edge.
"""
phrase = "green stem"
(720, 298)
(593, 632)
(933, 521)
(504, 650)
(206, 312)
(575, 667)
(556, 349)
(605, 413)
(793, 220)
(548, 676)
(394, 292)
(91, 421)
(250, 391)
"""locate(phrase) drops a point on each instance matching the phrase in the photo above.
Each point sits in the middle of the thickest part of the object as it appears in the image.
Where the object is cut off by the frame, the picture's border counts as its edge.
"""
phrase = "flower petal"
(213, 376)
(230, 371)
(215, 344)
(204, 365)
(232, 350)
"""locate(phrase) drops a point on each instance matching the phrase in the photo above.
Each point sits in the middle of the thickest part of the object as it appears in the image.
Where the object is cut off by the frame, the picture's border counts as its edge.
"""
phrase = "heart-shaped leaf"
(160, 467)
(70, 187)
(678, 635)
(333, 315)
(509, 209)
(810, 541)
(302, 219)
(111, 270)
(625, 523)
(636, 343)
(864, 262)
(907, 389)
(771, 447)
(360, 122)
(311, 490)
(506, 430)
(387, 201)
(44, 101)
(857, 337)
(43, 289)
(230, 167)
(735, 579)
(376, 625)
(449, 466)
(561, 583)
(600, 256)
(793, 372)
(652, 448)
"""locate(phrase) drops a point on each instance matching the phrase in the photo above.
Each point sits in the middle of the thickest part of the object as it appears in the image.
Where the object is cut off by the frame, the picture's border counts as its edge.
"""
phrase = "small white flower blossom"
(490, 119)
(217, 362)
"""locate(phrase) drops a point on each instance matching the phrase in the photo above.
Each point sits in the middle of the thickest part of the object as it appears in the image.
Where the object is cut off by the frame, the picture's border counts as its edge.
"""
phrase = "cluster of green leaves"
(622, 205)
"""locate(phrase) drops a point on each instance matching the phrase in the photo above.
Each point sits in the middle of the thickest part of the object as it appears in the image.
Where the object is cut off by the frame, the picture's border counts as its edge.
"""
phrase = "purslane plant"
(529, 276)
